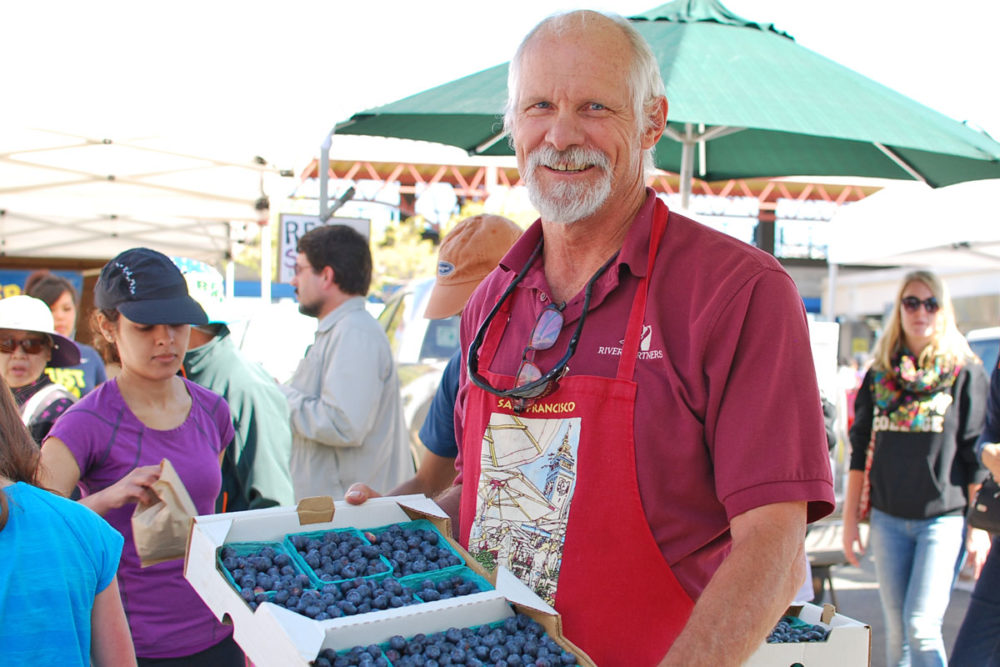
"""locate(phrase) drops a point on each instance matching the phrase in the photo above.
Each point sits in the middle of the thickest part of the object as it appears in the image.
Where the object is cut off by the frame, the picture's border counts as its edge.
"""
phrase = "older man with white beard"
(639, 401)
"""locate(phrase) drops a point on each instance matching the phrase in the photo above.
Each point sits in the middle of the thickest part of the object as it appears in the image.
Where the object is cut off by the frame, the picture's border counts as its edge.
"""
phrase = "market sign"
(293, 226)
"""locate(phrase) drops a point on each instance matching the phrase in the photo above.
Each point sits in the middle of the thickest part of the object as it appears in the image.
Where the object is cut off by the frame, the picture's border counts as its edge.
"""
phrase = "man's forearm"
(750, 591)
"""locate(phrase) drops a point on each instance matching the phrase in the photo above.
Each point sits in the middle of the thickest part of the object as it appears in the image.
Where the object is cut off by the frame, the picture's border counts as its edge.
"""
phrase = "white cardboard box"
(848, 644)
(273, 635)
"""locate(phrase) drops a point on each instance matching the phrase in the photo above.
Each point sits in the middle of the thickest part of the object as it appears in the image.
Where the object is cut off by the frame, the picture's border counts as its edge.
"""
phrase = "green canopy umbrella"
(745, 100)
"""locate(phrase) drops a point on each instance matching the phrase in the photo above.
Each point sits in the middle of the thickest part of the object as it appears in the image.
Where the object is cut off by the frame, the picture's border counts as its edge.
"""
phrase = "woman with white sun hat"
(29, 343)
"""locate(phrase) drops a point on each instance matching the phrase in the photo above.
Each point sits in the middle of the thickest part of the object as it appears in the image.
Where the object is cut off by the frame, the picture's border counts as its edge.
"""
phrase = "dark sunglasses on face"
(29, 345)
(530, 383)
(912, 304)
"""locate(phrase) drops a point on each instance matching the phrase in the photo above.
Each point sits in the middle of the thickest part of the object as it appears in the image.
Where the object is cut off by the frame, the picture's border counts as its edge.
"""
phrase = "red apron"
(552, 495)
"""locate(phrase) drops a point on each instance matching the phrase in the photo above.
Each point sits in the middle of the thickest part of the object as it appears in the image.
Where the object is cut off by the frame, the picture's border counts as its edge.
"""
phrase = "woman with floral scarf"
(918, 414)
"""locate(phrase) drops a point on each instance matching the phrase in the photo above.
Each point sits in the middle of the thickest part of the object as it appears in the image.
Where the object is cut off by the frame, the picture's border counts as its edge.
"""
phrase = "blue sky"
(281, 74)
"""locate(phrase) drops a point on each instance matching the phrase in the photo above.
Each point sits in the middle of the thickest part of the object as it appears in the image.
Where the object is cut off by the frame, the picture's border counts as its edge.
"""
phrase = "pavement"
(857, 597)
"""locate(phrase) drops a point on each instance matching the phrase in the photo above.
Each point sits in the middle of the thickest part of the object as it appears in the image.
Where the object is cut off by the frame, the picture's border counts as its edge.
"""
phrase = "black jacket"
(924, 456)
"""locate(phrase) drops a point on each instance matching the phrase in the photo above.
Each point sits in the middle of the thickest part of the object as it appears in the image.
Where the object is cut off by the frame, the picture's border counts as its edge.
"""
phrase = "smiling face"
(20, 368)
(151, 351)
(919, 325)
(576, 136)
(64, 314)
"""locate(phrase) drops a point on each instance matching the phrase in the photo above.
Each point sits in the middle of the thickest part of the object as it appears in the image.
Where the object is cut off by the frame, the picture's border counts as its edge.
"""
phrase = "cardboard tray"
(848, 644)
(273, 635)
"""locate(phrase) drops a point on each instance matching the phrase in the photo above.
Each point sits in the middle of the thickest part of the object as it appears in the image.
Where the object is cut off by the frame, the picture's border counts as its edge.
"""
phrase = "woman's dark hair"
(107, 349)
(19, 455)
(47, 286)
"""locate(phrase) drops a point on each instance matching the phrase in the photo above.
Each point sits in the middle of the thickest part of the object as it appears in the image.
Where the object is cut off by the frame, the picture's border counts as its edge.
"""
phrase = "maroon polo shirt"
(728, 413)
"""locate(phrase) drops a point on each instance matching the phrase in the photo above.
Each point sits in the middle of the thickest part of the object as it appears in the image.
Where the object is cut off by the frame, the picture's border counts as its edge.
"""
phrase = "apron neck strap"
(633, 334)
(495, 333)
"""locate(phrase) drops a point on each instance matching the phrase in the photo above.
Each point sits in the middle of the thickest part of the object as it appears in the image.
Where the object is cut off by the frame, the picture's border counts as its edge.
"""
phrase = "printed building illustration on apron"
(528, 474)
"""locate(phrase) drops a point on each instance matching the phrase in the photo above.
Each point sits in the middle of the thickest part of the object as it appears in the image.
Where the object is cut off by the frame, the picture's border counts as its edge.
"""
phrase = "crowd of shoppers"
(688, 331)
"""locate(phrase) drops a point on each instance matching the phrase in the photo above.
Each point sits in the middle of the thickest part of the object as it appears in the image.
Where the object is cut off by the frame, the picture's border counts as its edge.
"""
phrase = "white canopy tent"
(953, 230)
(915, 225)
(90, 196)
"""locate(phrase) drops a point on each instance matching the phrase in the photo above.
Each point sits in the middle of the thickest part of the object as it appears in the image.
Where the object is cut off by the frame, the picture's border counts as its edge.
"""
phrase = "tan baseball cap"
(467, 254)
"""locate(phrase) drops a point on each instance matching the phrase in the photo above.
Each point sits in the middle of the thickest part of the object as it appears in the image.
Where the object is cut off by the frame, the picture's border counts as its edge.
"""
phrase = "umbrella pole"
(687, 165)
(831, 292)
(324, 177)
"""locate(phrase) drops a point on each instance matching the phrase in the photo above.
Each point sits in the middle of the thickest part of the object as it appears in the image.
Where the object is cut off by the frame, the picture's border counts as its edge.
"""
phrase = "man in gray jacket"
(346, 412)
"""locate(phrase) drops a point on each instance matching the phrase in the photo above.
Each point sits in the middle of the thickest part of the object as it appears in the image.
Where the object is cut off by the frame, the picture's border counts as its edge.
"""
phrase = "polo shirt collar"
(340, 312)
(633, 256)
(635, 250)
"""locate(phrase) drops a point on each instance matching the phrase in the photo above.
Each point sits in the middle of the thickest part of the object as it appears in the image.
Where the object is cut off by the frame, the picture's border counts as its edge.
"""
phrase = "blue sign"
(12, 280)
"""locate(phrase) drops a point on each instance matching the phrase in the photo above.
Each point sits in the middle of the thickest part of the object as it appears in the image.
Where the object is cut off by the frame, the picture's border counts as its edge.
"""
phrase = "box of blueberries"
(383, 583)
(815, 636)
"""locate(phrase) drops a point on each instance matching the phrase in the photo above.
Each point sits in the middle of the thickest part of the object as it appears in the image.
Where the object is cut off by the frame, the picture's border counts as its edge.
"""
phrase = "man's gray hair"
(644, 80)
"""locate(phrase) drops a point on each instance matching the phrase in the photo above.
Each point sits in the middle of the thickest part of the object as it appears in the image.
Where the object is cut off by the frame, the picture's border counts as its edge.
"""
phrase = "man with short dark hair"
(641, 438)
(346, 412)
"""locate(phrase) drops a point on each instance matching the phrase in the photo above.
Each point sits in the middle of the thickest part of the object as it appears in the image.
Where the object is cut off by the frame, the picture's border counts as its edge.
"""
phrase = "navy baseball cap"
(146, 287)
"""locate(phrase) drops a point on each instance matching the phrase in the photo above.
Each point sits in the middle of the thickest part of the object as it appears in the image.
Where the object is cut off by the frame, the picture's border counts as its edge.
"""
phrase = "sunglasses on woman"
(530, 383)
(29, 345)
(912, 304)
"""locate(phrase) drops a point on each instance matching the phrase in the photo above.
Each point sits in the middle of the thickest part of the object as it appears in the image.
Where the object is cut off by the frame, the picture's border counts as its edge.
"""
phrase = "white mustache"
(571, 159)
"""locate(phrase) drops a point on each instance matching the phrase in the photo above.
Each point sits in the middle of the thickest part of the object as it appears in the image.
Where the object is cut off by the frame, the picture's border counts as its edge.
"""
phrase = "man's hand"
(991, 458)
(358, 493)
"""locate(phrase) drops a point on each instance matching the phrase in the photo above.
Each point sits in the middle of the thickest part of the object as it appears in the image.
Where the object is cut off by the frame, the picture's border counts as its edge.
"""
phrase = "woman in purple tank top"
(112, 441)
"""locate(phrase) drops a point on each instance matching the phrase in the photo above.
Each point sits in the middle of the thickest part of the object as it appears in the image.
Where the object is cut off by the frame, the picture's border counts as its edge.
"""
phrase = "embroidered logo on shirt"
(645, 343)
(445, 269)
(647, 335)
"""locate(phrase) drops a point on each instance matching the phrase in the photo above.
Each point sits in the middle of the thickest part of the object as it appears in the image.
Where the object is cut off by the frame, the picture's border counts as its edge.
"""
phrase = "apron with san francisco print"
(551, 493)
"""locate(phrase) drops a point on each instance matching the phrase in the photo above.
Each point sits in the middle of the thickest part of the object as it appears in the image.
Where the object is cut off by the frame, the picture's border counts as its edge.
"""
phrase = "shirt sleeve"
(73, 428)
(108, 552)
(972, 405)
(224, 421)
(763, 419)
(438, 430)
(861, 430)
(991, 428)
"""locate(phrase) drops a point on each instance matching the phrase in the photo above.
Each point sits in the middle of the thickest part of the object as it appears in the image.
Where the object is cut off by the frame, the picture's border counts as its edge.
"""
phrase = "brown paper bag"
(160, 530)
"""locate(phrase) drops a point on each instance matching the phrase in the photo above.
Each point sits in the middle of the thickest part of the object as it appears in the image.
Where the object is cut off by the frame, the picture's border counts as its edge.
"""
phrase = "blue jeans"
(978, 641)
(915, 567)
